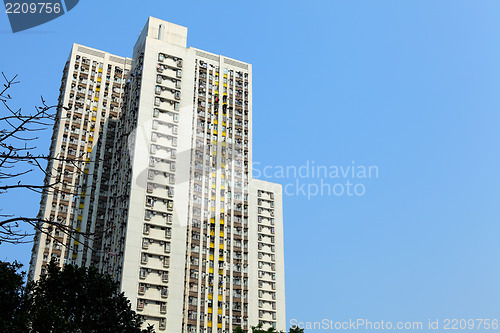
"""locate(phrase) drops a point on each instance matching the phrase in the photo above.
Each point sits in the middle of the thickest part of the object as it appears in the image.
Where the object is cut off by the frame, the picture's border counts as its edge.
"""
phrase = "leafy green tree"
(79, 300)
(239, 330)
(65, 300)
(259, 329)
(12, 298)
(295, 329)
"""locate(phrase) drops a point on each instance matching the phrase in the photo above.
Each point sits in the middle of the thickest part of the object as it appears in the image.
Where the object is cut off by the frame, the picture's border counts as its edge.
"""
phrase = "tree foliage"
(259, 329)
(65, 300)
(12, 298)
(295, 329)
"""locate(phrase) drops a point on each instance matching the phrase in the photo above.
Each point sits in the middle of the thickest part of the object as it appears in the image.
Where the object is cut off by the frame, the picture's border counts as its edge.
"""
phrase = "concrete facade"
(195, 242)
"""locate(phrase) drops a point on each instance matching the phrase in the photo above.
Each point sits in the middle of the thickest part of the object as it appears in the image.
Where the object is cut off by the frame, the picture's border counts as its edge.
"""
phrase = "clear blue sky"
(411, 87)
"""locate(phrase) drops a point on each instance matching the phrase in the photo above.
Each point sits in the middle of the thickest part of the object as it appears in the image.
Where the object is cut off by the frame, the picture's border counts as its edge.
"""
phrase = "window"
(167, 247)
(142, 289)
(166, 262)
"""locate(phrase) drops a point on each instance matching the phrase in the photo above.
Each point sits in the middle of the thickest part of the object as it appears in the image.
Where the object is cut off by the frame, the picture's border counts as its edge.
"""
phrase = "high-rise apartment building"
(166, 193)
(92, 90)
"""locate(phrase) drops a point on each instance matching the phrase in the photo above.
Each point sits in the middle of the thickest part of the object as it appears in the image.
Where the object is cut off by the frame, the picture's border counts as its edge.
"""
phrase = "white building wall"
(152, 47)
(83, 83)
(267, 281)
(151, 230)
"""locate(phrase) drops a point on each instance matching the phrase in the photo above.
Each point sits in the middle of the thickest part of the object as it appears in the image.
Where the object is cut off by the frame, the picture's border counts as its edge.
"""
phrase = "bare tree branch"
(18, 158)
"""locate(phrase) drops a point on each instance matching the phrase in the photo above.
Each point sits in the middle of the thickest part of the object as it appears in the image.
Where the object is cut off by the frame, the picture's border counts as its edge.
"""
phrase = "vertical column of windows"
(266, 258)
(159, 201)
